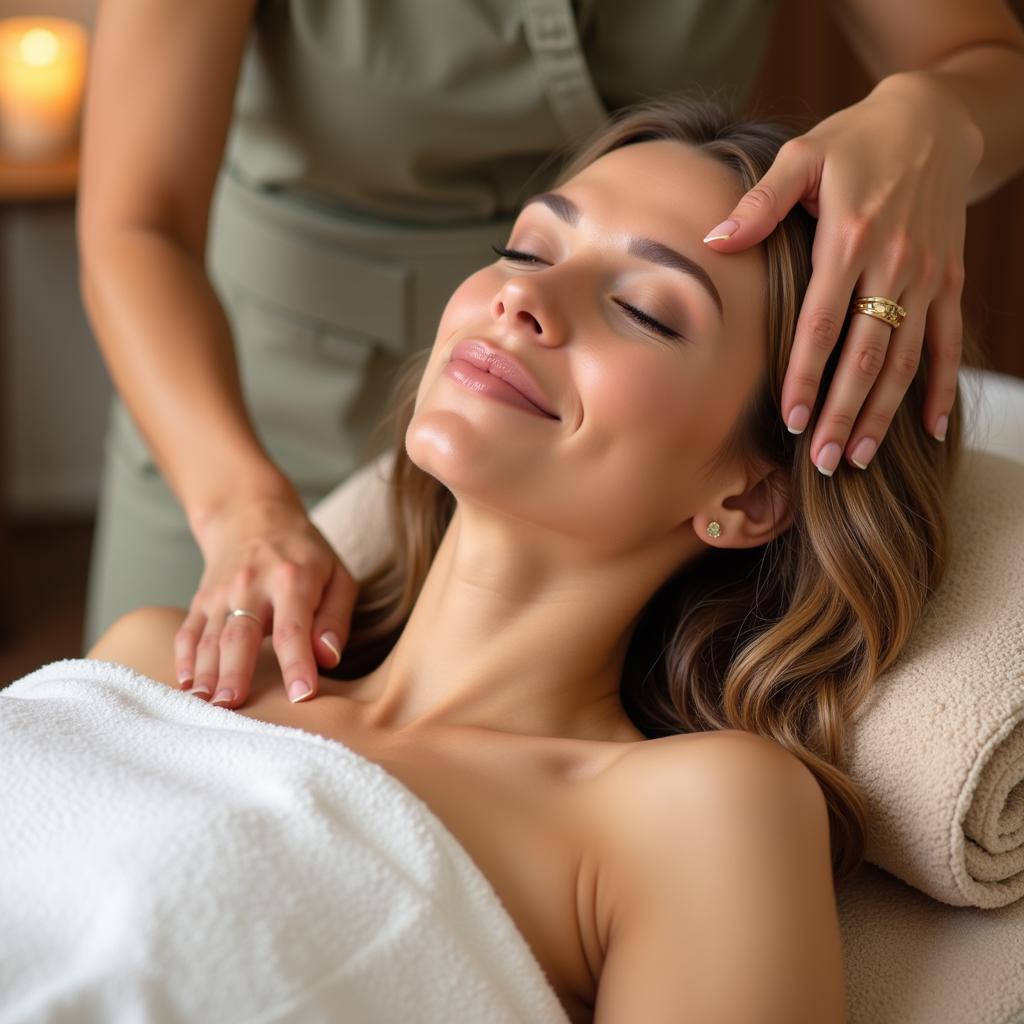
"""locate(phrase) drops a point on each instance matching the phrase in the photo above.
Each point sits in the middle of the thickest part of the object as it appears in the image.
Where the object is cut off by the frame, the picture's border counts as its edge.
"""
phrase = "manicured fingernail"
(299, 690)
(185, 680)
(940, 428)
(333, 641)
(798, 419)
(828, 458)
(223, 697)
(861, 455)
(723, 230)
(200, 691)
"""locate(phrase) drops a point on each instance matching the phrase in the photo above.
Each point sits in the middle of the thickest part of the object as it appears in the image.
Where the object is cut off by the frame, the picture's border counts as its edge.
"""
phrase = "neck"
(506, 636)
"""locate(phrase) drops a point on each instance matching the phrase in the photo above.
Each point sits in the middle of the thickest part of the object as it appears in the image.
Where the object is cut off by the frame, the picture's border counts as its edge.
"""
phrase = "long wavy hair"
(784, 640)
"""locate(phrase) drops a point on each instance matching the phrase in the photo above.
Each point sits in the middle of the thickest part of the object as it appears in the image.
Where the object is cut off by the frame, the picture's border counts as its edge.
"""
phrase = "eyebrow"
(645, 248)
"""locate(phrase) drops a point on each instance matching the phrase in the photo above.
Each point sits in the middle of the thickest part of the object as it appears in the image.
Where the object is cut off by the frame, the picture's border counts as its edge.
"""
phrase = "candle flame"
(39, 47)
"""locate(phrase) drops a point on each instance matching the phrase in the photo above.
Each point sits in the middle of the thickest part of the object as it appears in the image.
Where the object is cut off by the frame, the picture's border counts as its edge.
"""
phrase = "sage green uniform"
(377, 150)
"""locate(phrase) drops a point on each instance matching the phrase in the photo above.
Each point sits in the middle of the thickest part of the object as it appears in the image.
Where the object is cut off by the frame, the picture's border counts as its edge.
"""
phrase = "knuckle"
(952, 348)
(235, 633)
(286, 631)
(871, 358)
(955, 274)
(288, 571)
(245, 576)
(761, 197)
(797, 147)
(823, 330)
(805, 382)
(876, 423)
(841, 423)
(905, 362)
(208, 642)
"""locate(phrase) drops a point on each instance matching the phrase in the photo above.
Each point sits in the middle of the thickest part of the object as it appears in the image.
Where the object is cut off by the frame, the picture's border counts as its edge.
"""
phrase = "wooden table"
(20, 183)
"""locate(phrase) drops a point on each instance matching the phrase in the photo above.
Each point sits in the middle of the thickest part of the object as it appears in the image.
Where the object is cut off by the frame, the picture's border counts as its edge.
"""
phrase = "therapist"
(278, 197)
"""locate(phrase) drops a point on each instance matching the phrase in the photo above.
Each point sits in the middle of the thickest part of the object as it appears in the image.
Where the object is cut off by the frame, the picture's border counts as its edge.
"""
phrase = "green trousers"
(325, 308)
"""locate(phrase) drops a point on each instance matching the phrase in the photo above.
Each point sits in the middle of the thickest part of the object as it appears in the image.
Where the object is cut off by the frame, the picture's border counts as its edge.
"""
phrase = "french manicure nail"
(298, 690)
(940, 428)
(185, 680)
(723, 230)
(223, 697)
(333, 641)
(861, 455)
(200, 691)
(798, 419)
(828, 458)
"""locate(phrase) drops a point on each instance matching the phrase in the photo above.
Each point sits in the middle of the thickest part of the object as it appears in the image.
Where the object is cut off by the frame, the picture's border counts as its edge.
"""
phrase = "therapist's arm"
(158, 107)
(973, 51)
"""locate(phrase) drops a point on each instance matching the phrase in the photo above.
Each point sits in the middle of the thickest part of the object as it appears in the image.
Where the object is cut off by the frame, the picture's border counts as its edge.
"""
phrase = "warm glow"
(39, 47)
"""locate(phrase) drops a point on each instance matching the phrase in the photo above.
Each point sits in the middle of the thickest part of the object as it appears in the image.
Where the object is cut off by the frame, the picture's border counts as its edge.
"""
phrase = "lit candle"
(42, 78)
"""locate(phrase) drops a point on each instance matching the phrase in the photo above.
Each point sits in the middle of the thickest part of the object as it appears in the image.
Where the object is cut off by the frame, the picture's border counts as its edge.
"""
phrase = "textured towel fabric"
(910, 959)
(939, 746)
(166, 860)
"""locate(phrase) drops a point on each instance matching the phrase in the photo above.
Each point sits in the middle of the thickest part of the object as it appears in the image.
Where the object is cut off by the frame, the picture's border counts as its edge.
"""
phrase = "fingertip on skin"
(799, 417)
(333, 643)
(299, 690)
(720, 232)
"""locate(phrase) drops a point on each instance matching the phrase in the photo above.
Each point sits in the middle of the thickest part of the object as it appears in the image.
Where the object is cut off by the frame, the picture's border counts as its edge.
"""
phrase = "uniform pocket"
(315, 391)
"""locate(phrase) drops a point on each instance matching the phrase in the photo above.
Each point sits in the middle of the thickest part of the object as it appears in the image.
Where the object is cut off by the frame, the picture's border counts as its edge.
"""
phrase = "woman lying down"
(579, 761)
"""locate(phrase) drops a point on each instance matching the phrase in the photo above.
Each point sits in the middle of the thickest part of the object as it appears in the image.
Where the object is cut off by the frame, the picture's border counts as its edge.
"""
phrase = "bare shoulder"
(143, 639)
(717, 886)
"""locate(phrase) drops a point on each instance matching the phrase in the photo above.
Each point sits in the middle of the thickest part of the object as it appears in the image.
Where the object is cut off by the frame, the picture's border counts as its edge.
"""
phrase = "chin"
(476, 465)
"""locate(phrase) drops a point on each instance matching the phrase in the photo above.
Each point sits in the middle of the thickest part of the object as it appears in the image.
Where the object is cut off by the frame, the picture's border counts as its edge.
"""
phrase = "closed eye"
(648, 321)
(632, 312)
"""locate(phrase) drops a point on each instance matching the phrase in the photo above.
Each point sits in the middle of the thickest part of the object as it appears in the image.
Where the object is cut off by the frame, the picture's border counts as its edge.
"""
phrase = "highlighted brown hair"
(784, 640)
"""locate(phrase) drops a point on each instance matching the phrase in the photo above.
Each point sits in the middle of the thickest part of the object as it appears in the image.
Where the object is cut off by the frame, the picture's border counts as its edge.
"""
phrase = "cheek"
(468, 306)
(644, 399)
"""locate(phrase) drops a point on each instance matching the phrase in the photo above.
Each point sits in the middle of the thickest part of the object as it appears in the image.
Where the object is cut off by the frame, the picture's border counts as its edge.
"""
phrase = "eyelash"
(631, 311)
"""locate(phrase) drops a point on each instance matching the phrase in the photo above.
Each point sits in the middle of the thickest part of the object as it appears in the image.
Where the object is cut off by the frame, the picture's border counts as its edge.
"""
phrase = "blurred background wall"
(55, 387)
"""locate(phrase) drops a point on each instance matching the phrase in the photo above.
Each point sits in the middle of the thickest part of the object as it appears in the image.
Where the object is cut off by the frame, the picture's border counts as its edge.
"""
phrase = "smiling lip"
(505, 368)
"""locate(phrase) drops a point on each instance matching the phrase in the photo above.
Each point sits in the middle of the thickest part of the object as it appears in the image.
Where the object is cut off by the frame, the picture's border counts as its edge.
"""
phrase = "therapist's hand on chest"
(270, 566)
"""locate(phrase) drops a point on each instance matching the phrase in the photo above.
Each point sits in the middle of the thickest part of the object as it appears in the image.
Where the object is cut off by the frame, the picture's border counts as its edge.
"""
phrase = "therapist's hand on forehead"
(889, 180)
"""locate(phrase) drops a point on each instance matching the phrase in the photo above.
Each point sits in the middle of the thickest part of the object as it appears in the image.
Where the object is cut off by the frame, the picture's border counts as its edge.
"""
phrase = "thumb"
(760, 210)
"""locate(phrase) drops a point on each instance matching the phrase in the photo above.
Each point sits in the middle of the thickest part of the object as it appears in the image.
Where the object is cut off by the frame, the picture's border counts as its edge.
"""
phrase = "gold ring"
(243, 611)
(881, 309)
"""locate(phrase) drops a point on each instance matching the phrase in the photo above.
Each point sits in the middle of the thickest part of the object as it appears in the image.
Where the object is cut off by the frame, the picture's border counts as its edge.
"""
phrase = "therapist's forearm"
(988, 81)
(167, 344)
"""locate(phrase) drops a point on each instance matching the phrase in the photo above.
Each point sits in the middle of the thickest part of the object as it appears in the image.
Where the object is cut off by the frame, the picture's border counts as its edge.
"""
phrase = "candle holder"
(42, 81)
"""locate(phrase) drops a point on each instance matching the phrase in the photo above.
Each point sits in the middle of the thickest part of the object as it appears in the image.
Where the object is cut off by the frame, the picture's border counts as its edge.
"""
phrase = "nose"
(522, 306)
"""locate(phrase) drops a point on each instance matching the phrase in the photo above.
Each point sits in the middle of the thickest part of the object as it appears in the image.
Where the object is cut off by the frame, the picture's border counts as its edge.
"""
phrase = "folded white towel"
(166, 860)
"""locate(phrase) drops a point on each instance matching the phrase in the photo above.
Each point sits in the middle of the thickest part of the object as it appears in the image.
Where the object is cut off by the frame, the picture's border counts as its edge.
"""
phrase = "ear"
(752, 517)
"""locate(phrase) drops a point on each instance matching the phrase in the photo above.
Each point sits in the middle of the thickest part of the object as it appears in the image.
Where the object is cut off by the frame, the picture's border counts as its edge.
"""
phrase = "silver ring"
(243, 611)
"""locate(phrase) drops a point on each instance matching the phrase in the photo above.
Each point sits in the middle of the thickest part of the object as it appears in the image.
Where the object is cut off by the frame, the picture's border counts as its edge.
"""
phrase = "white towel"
(164, 860)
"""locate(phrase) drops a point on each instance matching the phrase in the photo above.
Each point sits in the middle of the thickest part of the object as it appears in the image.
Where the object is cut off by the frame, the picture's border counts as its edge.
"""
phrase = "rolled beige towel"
(939, 746)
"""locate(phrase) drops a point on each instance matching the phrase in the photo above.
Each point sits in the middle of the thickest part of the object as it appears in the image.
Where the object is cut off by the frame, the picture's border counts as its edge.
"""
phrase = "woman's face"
(641, 406)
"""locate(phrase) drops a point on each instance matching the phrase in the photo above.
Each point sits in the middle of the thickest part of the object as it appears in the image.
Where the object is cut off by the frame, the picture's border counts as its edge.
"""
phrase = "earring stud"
(714, 529)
